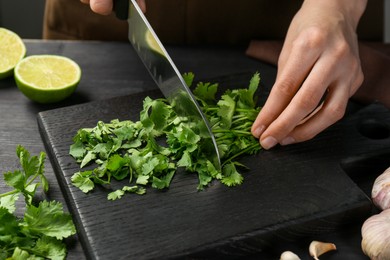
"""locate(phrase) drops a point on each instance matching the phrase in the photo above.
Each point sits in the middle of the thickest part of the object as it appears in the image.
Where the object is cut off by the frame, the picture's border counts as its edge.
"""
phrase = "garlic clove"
(318, 248)
(376, 236)
(380, 193)
(288, 255)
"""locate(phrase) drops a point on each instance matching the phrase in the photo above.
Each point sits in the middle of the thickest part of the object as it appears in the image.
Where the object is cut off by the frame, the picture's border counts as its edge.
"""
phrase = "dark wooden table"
(112, 69)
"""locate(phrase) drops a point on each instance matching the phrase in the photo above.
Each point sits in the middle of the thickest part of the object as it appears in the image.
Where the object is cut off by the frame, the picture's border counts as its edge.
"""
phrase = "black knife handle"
(121, 9)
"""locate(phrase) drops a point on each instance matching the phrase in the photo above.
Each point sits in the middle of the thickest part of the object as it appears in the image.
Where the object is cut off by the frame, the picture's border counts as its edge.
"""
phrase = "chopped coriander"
(133, 150)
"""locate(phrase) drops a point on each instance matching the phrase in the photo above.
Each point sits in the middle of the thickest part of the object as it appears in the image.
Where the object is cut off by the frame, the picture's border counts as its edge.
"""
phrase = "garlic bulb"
(288, 255)
(381, 190)
(318, 248)
(376, 236)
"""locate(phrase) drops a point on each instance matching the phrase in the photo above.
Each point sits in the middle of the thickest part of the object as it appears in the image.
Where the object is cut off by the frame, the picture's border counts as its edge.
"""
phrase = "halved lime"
(47, 78)
(12, 50)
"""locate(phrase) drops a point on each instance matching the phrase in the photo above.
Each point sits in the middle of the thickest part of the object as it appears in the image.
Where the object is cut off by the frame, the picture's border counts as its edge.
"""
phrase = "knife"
(164, 72)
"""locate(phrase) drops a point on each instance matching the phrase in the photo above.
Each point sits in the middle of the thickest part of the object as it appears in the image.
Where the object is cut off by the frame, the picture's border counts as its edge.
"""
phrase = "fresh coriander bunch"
(149, 151)
(231, 118)
(39, 234)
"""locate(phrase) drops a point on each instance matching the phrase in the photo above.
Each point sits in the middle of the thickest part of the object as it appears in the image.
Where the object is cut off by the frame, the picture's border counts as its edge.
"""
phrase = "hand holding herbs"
(39, 234)
(134, 150)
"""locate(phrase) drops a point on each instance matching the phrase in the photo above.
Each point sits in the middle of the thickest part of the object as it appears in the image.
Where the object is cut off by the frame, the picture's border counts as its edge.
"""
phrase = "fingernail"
(288, 140)
(268, 142)
(258, 131)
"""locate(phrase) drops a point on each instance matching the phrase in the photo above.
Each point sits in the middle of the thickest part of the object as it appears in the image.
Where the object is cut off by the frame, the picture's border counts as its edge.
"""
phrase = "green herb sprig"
(133, 150)
(39, 234)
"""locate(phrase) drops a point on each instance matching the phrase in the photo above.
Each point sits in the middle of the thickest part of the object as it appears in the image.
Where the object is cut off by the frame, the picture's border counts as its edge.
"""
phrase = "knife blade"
(165, 73)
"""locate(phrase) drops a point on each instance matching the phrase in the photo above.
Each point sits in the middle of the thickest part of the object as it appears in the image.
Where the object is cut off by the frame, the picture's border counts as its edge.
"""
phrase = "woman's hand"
(104, 7)
(319, 61)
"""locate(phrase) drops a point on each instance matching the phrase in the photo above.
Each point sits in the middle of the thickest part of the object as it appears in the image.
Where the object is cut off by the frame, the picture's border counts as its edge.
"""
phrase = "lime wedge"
(47, 78)
(12, 50)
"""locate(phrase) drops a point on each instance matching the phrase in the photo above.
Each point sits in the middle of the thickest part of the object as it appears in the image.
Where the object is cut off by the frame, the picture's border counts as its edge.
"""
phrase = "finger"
(288, 81)
(267, 51)
(290, 118)
(103, 7)
(331, 111)
(142, 5)
(302, 104)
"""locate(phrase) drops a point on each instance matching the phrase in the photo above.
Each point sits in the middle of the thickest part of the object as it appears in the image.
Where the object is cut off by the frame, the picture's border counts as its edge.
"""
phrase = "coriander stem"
(241, 132)
(211, 109)
(240, 153)
(12, 192)
(32, 179)
(246, 110)
(238, 119)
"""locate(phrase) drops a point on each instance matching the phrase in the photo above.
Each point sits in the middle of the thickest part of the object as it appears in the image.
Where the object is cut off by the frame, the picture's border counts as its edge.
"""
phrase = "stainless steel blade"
(167, 76)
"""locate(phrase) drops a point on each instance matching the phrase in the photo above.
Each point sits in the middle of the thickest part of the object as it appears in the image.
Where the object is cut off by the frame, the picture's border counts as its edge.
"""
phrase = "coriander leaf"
(115, 195)
(8, 225)
(88, 158)
(159, 115)
(154, 115)
(188, 78)
(8, 202)
(231, 177)
(226, 110)
(116, 162)
(103, 149)
(185, 160)
(132, 144)
(149, 165)
(254, 83)
(142, 179)
(15, 179)
(246, 96)
(126, 131)
(29, 192)
(50, 248)
(41, 164)
(210, 168)
(83, 135)
(164, 163)
(134, 189)
(144, 114)
(20, 254)
(23, 181)
(205, 92)
(204, 176)
(164, 181)
(117, 143)
(121, 173)
(181, 139)
(29, 165)
(49, 219)
(136, 160)
(154, 147)
(77, 149)
(204, 179)
(44, 182)
(83, 181)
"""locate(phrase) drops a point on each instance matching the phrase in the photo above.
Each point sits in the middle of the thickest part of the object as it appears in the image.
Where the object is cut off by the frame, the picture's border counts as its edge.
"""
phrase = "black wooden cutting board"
(288, 192)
